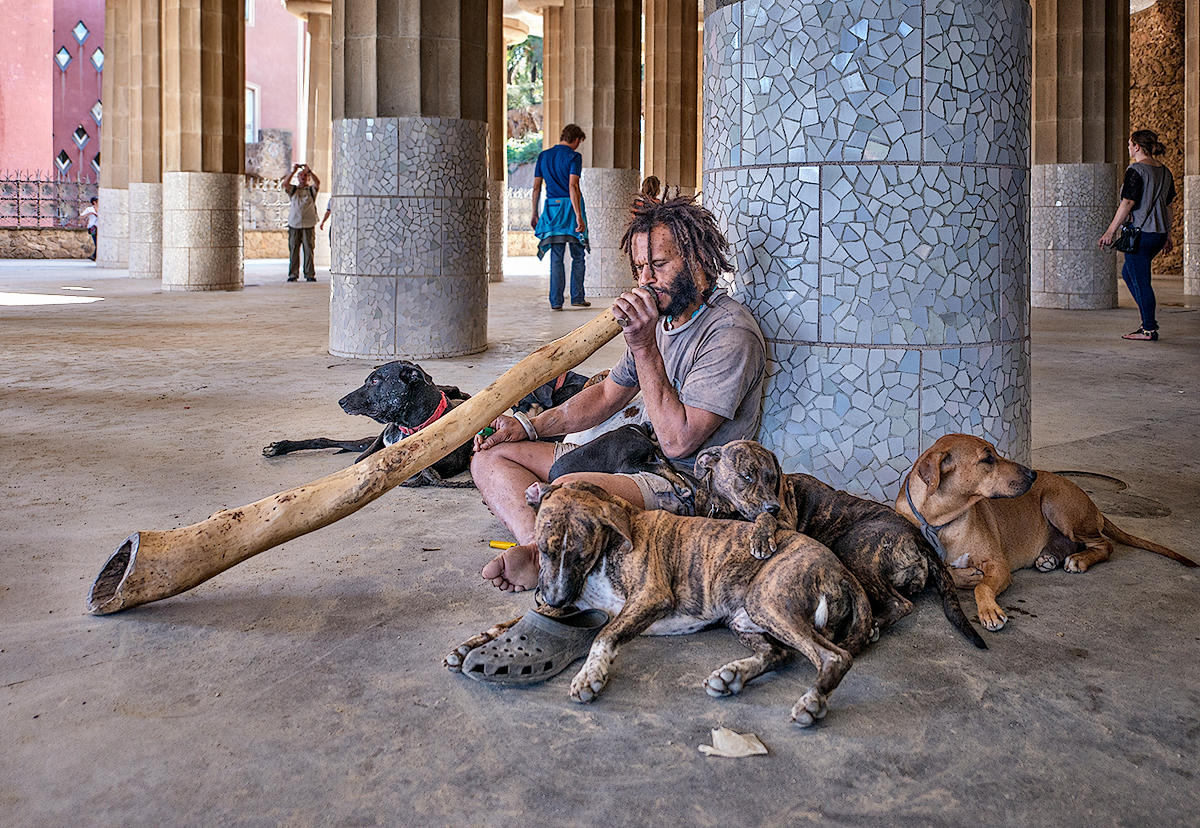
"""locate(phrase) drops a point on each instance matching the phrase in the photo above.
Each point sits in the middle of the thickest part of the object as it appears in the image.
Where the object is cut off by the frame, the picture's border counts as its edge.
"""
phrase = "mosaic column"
(203, 144)
(672, 54)
(497, 112)
(1191, 154)
(870, 163)
(319, 139)
(112, 235)
(409, 272)
(600, 57)
(1080, 128)
(145, 143)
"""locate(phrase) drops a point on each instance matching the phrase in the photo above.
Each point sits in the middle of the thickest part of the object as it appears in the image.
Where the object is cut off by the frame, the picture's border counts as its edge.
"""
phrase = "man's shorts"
(657, 492)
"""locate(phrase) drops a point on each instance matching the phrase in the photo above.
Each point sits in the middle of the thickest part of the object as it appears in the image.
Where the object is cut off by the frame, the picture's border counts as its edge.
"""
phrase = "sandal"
(1142, 334)
(535, 648)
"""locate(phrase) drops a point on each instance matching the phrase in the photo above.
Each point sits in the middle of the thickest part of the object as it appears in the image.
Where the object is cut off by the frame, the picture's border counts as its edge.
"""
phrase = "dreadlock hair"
(696, 234)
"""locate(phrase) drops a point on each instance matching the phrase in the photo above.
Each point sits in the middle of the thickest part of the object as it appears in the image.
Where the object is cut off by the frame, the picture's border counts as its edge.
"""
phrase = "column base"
(1071, 206)
(497, 228)
(112, 236)
(1191, 235)
(145, 230)
(607, 196)
(202, 231)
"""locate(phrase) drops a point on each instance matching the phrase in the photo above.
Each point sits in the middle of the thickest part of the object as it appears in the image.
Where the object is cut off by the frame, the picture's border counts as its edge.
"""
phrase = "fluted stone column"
(552, 74)
(112, 236)
(145, 143)
(409, 272)
(870, 163)
(497, 112)
(319, 139)
(598, 49)
(203, 144)
(672, 55)
(1080, 127)
(1191, 153)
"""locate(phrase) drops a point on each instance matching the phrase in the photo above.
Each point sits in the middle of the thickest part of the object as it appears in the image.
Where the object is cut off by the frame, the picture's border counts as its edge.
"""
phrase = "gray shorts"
(657, 492)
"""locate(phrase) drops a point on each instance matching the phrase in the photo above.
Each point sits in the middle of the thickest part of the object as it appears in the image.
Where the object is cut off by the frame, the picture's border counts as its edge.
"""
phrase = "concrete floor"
(305, 685)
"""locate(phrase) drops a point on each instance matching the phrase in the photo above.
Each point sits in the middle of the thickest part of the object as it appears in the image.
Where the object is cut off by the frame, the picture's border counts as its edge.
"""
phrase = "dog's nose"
(772, 508)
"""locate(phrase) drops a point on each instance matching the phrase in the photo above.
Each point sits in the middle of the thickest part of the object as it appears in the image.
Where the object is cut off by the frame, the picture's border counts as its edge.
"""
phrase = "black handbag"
(1129, 239)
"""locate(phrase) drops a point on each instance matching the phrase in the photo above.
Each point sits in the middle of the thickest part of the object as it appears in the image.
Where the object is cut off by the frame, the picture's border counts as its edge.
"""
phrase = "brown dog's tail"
(1118, 534)
(944, 585)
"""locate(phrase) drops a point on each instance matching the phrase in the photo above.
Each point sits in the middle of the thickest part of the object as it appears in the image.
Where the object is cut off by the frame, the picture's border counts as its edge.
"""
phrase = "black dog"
(405, 398)
(555, 392)
(626, 450)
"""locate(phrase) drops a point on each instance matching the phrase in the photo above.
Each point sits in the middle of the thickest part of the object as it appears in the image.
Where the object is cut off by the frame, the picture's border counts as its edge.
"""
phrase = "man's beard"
(683, 293)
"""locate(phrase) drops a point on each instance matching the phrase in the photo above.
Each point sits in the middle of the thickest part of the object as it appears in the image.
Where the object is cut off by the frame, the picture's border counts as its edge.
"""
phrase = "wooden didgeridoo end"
(150, 566)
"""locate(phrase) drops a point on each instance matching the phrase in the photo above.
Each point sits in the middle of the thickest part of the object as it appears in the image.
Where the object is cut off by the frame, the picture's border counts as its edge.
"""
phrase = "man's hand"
(533, 219)
(639, 310)
(506, 429)
(580, 228)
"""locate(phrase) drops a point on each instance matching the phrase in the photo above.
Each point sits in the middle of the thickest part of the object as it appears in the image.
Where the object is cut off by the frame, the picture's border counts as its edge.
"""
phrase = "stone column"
(320, 122)
(497, 112)
(1080, 129)
(870, 164)
(1191, 159)
(552, 74)
(409, 273)
(112, 237)
(203, 144)
(145, 143)
(601, 91)
(672, 54)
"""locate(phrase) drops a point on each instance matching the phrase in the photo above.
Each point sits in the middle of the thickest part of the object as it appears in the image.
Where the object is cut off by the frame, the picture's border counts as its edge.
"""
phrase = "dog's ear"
(613, 513)
(537, 492)
(929, 469)
(706, 460)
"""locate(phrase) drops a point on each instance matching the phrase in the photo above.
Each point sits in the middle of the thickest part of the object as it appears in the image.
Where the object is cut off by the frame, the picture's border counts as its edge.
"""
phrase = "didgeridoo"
(152, 565)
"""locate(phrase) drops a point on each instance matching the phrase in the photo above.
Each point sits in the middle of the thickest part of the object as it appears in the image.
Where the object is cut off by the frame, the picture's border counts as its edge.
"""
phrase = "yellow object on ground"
(502, 544)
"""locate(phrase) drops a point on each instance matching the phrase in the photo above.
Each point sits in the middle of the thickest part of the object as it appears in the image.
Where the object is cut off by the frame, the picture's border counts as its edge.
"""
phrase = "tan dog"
(994, 516)
(884, 552)
(662, 574)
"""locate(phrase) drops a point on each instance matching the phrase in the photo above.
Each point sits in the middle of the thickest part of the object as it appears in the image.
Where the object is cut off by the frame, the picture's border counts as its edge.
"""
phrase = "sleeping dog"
(403, 397)
(662, 574)
(885, 552)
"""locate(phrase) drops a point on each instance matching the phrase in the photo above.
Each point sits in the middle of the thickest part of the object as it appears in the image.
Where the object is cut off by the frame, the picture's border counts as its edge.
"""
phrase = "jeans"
(301, 237)
(558, 273)
(1136, 273)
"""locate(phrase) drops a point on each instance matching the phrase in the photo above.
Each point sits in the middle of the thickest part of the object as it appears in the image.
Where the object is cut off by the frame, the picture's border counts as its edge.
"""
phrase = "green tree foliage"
(524, 90)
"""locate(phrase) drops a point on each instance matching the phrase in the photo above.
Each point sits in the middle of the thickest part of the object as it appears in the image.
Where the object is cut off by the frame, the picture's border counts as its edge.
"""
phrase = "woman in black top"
(1146, 196)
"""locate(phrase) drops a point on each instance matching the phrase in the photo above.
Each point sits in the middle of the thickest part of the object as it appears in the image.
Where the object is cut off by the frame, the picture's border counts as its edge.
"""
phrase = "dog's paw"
(992, 617)
(271, 450)
(725, 681)
(811, 708)
(1075, 563)
(589, 682)
(1046, 562)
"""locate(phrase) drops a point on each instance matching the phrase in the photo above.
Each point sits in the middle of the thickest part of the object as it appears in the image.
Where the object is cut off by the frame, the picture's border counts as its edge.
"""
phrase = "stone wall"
(271, 155)
(1156, 99)
(265, 244)
(44, 243)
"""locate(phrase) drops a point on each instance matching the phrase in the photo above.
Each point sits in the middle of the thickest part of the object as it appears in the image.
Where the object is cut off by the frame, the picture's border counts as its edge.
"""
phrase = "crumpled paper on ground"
(733, 745)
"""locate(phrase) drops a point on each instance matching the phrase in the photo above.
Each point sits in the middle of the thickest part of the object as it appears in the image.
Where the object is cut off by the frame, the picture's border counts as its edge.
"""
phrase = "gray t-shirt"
(303, 209)
(716, 361)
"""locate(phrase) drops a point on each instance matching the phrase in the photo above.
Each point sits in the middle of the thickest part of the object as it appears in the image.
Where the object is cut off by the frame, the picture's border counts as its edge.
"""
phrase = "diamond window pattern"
(62, 161)
(80, 136)
(97, 111)
(98, 59)
(96, 162)
(81, 32)
(62, 57)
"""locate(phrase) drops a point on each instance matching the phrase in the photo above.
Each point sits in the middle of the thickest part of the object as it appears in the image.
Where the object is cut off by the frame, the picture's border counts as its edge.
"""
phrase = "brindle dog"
(667, 575)
(884, 551)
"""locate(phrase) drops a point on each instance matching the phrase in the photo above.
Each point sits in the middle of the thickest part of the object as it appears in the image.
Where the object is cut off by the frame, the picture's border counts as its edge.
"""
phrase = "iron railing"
(39, 198)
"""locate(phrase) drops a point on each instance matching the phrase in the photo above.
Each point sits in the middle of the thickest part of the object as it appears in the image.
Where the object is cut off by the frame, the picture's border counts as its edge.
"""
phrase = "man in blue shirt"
(564, 221)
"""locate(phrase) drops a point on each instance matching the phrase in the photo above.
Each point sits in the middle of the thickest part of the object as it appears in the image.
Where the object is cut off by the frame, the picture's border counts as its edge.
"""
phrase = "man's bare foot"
(513, 570)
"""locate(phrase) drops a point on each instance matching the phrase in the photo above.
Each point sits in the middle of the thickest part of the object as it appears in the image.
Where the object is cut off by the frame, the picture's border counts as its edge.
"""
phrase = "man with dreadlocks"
(696, 354)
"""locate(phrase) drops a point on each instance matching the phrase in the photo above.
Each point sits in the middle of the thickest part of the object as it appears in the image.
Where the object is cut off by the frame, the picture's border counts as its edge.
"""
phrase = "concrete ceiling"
(1136, 6)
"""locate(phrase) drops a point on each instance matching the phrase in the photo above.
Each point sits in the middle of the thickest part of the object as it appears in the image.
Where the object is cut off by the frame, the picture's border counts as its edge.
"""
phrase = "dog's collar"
(433, 418)
(928, 530)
